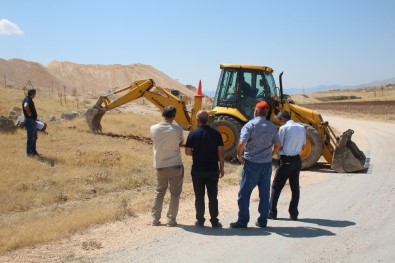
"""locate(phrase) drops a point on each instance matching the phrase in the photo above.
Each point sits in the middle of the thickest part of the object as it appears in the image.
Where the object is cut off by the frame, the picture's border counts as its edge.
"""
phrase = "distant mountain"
(377, 83)
(293, 91)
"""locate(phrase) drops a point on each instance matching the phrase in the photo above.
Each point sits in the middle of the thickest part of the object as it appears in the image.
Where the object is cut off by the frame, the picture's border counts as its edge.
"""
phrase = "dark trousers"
(31, 129)
(288, 169)
(201, 181)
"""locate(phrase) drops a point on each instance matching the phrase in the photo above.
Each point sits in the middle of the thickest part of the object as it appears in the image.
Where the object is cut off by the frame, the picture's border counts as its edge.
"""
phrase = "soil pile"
(72, 77)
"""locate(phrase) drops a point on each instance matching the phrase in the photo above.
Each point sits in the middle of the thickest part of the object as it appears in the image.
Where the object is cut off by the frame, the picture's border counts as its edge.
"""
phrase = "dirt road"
(343, 218)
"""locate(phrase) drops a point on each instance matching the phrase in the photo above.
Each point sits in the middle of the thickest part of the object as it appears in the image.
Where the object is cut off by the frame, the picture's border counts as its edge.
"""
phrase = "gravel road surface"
(343, 218)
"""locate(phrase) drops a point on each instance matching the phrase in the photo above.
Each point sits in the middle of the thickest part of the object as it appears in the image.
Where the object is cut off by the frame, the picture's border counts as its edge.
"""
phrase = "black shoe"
(199, 223)
(272, 216)
(259, 224)
(155, 223)
(237, 225)
(294, 218)
(216, 225)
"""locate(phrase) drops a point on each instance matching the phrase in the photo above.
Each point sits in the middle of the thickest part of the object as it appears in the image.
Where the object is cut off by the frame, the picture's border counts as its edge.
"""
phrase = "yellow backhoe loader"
(240, 87)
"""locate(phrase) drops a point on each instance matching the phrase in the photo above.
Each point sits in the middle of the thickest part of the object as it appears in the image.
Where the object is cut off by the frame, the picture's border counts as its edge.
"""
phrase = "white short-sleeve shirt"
(166, 139)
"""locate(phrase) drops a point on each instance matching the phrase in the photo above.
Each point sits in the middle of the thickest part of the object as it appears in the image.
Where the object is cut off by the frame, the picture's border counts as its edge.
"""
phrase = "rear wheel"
(229, 128)
(312, 151)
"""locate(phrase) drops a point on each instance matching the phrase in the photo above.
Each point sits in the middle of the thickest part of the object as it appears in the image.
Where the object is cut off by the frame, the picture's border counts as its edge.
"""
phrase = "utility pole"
(5, 80)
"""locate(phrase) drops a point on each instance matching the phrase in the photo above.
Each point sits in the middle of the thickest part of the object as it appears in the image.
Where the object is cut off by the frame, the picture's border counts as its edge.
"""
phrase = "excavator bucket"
(347, 157)
(93, 117)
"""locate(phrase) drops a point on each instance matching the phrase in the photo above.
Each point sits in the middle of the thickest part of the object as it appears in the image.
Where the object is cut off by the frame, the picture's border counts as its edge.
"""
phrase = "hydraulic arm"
(155, 94)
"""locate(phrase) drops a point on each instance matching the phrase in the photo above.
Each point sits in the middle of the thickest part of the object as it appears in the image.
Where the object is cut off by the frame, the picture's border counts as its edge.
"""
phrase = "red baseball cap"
(262, 105)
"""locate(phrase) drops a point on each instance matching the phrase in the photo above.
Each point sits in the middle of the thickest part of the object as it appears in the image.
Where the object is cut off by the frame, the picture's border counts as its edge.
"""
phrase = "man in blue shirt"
(30, 113)
(293, 138)
(258, 141)
(206, 147)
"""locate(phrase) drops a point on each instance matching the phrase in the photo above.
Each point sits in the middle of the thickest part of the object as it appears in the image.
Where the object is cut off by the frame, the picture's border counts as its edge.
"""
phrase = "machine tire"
(229, 128)
(312, 151)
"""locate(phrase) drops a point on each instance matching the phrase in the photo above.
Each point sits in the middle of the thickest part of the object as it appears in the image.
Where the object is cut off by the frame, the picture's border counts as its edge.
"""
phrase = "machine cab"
(242, 86)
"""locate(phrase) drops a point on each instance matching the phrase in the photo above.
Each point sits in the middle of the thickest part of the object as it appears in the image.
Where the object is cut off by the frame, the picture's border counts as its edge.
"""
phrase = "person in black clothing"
(206, 147)
(30, 113)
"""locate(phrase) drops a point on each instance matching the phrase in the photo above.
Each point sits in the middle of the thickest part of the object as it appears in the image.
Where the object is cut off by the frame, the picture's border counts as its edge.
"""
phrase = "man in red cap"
(258, 141)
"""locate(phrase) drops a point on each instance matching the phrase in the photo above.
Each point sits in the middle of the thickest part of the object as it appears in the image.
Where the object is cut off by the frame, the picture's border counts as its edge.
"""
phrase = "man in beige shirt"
(167, 139)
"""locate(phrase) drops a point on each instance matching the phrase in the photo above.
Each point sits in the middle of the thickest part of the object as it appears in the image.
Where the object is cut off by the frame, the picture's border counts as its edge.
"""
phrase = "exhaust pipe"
(280, 78)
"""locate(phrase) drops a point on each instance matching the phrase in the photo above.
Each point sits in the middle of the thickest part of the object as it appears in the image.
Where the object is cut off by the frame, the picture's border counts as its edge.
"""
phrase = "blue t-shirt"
(204, 141)
(259, 135)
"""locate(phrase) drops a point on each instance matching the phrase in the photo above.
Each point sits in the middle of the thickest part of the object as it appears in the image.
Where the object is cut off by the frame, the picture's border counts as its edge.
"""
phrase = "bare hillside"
(17, 73)
(105, 77)
(99, 78)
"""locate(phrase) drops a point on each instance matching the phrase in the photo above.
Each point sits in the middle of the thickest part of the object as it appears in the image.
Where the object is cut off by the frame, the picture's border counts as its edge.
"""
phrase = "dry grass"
(374, 93)
(82, 179)
(367, 94)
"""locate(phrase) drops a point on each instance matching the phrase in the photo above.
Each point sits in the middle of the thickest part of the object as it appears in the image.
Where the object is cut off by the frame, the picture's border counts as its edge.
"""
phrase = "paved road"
(343, 218)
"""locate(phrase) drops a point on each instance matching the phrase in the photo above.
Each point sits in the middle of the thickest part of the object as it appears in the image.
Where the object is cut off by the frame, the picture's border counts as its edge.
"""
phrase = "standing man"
(206, 147)
(30, 113)
(167, 139)
(293, 138)
(255, 150)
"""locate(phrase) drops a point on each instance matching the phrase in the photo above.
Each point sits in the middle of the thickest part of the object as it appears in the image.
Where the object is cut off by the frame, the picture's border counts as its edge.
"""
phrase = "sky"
(338, 42)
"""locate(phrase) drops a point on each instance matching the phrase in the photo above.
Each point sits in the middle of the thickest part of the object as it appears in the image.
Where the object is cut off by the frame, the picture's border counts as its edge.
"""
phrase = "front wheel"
(229, 128)
(312, 150)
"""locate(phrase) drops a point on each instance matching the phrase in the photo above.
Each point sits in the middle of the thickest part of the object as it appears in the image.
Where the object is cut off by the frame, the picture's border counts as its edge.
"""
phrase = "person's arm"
(276, 148)
(188, 151)
(240, 150)
(221, 155)
(181, 136)
(189, 145)
(277, 145)
(27, 109)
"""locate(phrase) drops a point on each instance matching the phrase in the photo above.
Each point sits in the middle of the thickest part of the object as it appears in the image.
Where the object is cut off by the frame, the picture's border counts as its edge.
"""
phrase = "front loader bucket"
(347, 157)
(93, 117)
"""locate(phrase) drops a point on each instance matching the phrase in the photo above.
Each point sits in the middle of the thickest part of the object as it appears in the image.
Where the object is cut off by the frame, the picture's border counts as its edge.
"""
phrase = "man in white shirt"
(293, 138)
(167, 139)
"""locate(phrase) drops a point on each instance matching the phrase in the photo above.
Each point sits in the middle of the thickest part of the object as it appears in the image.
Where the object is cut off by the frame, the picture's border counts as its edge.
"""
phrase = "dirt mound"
(18, 72)
(107, 77)
(82, 78)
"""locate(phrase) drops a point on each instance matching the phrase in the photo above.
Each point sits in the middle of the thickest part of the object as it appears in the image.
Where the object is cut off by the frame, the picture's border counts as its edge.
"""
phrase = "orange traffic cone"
(199, 90)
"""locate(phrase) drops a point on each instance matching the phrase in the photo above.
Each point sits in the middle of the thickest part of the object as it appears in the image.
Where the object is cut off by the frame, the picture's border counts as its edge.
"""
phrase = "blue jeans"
(31, 129)
(254, 174)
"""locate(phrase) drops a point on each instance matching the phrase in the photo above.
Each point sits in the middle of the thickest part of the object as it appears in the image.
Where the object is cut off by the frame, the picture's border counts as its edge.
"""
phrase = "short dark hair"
(169, 112)
(284, 114)
(202, 117)
(31, 92)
